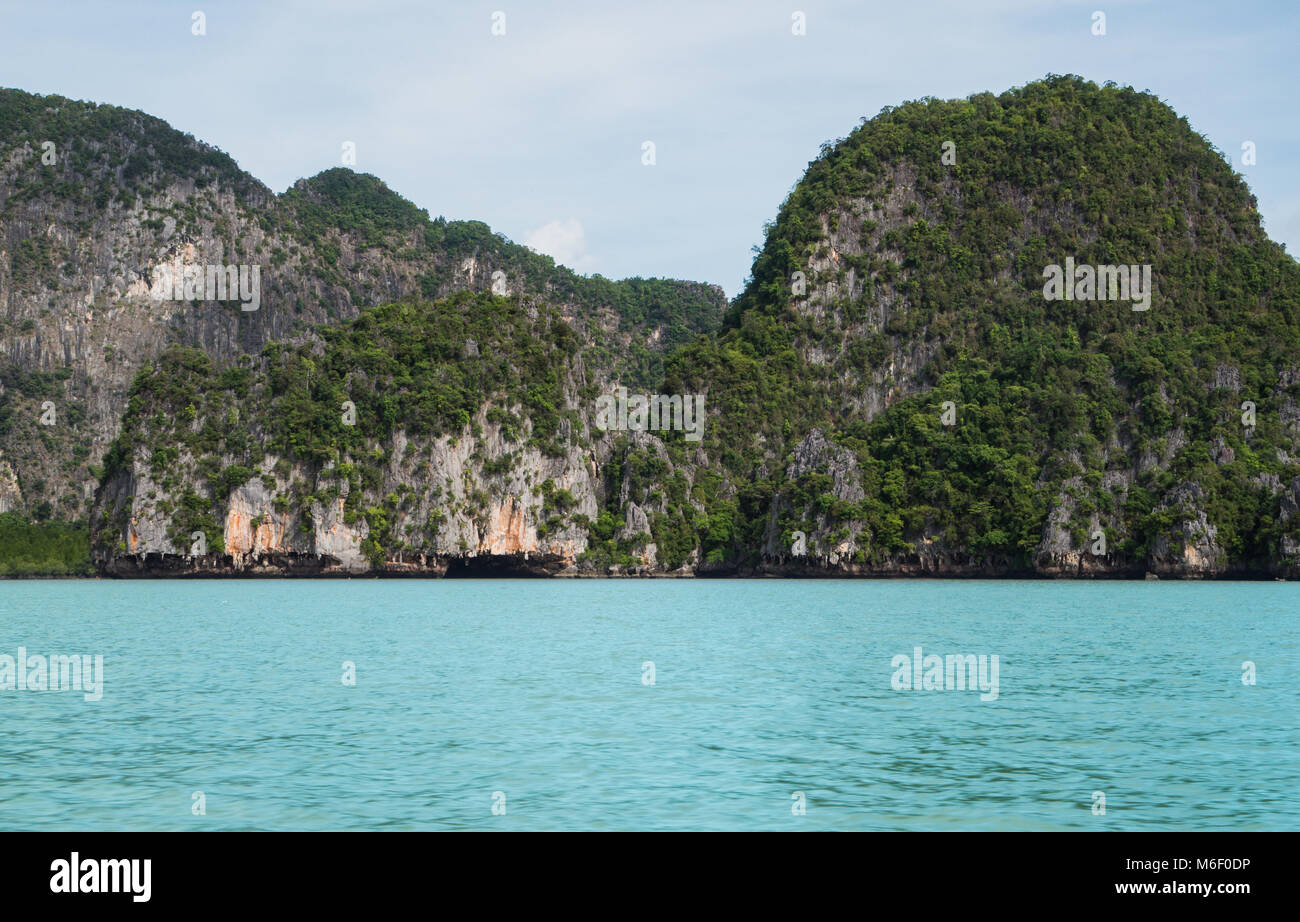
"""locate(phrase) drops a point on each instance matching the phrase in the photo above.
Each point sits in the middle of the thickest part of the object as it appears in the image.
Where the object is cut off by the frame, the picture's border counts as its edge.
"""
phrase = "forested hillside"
(902, 388)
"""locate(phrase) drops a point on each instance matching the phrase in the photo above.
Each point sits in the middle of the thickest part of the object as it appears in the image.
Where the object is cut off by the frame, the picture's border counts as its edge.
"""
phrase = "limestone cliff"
(98, 202)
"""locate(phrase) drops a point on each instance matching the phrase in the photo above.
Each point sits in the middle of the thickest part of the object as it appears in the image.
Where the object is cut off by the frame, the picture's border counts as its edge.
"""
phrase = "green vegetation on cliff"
(423, 369)
(911, 261)
(95, 198)
(104, 153)
(339, 201)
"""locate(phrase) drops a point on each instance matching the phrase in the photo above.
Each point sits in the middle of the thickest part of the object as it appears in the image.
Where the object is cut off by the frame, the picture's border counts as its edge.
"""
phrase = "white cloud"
(564, 241)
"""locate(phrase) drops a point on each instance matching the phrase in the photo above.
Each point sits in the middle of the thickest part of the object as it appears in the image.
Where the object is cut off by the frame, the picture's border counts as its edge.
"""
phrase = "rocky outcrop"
(1191, 548)
(128, 200)
(266, 528)
(11, 495)
(818, 546)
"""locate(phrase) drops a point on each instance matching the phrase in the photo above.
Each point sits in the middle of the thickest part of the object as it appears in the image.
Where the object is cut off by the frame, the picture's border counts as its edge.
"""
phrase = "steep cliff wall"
(97, 202)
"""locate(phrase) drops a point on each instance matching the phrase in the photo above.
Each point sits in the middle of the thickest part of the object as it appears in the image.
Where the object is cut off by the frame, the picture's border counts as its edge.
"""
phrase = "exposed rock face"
(11, 496)
(1193, 550)
(79, 316)
(253, 529)
(1290, 517)
(263, 534)
(816, 455)
(1059, 555)
(637, 530)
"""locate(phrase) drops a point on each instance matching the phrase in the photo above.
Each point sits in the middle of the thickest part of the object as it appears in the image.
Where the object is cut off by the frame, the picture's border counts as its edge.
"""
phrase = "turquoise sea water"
(762, 690)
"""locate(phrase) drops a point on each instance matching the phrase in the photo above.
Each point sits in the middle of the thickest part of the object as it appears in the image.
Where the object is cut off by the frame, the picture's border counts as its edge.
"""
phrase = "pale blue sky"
(539, 131)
